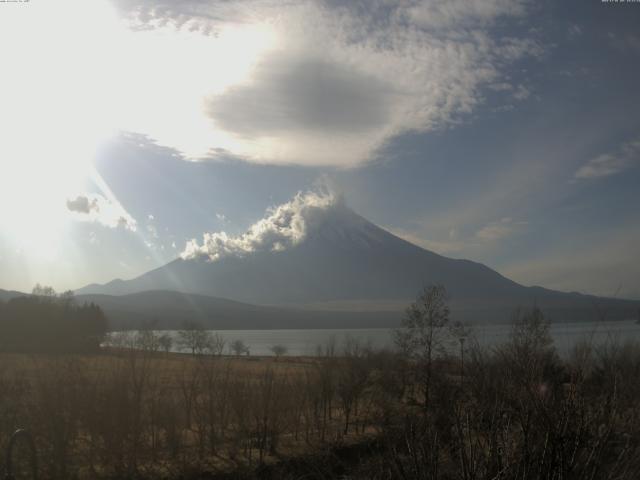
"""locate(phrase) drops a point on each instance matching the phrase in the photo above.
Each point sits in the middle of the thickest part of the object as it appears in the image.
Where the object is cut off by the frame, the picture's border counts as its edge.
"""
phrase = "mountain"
(343, 259)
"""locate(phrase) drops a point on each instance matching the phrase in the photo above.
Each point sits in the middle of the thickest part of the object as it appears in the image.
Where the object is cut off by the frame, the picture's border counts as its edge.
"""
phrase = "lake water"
(306, 342)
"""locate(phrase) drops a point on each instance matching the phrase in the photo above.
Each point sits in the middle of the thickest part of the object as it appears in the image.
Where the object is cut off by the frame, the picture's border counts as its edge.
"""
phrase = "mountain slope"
(345, 257)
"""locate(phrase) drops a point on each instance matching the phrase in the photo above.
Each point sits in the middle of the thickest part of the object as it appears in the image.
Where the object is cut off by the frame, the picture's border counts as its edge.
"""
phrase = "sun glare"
(170, 73)
(50, 118)
(73, 74)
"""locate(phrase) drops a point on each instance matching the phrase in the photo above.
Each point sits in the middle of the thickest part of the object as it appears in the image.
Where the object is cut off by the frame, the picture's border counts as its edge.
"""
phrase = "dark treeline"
(48, 322)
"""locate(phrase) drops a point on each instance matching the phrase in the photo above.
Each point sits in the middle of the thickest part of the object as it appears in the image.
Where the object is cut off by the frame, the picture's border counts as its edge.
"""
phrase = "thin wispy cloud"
(489, 235)
(521, 93)
(444, 246)
(499, 229)
(602, 267)
(627, 42)
(456, 13)
(574, 31)
(612, 163)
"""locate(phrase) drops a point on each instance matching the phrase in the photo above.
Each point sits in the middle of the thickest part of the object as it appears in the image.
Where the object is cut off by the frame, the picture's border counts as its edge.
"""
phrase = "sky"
(502, 131)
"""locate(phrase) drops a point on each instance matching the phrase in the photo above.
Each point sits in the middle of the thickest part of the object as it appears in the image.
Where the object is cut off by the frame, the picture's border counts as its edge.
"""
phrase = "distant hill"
(6, 295)
(345, 258)
(171, 310)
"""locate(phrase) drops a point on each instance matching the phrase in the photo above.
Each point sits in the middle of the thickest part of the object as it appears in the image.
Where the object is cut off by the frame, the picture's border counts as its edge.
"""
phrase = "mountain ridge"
(164, 309)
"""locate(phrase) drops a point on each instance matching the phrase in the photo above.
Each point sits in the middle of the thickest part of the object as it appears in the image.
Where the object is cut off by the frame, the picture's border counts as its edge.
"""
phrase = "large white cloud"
(327, 83)
(284, 226)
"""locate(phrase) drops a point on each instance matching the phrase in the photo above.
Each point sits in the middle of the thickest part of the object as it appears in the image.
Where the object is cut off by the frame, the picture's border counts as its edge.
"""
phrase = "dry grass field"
(124, 413)
(516, 411)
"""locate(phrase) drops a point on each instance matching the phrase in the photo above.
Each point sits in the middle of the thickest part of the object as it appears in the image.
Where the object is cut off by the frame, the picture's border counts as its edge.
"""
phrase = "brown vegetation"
(132, 412)
(516, 411)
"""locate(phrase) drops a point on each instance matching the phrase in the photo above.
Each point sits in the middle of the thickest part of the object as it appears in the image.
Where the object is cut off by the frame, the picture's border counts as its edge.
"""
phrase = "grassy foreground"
(139, 414)
(515, 411)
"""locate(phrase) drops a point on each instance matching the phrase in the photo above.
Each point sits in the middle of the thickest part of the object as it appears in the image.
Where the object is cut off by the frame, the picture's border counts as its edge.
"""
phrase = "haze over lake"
(306, 342)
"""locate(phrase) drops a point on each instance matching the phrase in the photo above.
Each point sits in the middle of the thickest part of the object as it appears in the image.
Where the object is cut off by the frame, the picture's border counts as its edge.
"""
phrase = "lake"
(305, 342)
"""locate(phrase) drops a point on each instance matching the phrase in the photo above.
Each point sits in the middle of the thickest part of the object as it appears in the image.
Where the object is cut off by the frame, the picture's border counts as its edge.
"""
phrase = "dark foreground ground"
(514, 412)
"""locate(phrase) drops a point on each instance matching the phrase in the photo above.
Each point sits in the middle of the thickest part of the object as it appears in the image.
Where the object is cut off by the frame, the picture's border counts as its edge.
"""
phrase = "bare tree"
(194, 338)
(166, 342)
(43, 291)
(278, 350)
(423, 333)
(238, 347)
(147, 340)
(216, 344)
(352, 379)
(530, 349)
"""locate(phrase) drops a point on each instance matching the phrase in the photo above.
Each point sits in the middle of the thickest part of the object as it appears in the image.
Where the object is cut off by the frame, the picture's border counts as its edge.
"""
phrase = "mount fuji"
(321, 255)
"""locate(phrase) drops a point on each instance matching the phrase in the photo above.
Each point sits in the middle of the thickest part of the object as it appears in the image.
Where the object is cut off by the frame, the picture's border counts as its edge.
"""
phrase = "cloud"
(324, 83)
(82, 204)
(284, 226)
(574, 30)
(446, 246)
(611, 163)
(152, 230)
(299, 94)
(598, 266)
(440, 14)
(501, 86)
(454, 242)
(96, 208)
(206, 16)
(625, 42)
(126, 222)
(497, 230)
(521, 93)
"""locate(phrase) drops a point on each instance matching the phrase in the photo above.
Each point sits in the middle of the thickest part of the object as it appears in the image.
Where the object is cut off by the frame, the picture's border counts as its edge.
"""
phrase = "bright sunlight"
(73, 84)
